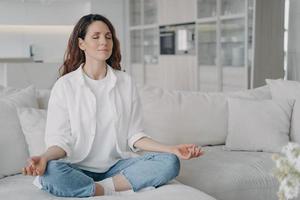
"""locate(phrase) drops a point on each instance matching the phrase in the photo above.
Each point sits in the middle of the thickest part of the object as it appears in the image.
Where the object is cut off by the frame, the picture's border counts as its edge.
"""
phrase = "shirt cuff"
(135, 138)
(65, 147)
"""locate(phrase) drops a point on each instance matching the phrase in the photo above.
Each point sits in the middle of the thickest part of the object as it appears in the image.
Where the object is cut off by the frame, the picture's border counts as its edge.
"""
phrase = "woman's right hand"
(36, 166)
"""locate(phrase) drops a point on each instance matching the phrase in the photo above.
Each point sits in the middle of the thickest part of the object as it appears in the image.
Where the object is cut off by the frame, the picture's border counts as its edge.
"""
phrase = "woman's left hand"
(186, 151)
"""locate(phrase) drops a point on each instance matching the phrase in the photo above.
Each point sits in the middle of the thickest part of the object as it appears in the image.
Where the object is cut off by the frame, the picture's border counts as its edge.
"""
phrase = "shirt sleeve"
(58, 129)
(136, 129)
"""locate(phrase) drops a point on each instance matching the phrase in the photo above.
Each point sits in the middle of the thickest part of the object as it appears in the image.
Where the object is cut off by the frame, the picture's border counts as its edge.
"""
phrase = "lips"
(103, 50)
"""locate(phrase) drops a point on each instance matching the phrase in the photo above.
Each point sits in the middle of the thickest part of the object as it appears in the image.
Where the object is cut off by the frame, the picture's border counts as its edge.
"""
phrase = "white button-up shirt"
(71, 118)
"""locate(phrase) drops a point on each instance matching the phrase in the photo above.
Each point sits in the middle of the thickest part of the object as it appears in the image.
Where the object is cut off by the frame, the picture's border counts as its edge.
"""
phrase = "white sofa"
(171, 117)
(21, 137)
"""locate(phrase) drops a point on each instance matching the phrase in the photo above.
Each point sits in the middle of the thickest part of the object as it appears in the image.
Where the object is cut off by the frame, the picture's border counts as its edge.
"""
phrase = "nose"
(102, 40)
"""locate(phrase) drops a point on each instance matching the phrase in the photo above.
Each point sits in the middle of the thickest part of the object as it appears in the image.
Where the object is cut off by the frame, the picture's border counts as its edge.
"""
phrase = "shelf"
(206, 20)
(208, 42)
(232, 16)
(231, 41)
(16, 60)
(36, 28)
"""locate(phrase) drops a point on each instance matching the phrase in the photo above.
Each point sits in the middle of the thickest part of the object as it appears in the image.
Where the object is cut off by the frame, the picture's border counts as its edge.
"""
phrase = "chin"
(102, 58)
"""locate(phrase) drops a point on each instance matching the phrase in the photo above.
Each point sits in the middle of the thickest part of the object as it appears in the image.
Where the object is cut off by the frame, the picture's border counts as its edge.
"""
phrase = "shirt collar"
(110, 72)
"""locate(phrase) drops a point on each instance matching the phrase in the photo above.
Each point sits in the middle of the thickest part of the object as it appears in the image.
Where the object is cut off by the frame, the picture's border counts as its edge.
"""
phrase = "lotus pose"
(94, 124)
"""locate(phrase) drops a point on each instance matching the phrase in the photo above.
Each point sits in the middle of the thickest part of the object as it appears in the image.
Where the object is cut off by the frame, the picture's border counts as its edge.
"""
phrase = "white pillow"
(43, 96)
(288, 90)
(13, 149)
(33, 122)
(258, 125)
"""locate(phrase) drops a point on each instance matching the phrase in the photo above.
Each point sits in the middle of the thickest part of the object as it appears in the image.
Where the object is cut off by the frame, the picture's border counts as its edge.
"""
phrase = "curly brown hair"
(74, 56)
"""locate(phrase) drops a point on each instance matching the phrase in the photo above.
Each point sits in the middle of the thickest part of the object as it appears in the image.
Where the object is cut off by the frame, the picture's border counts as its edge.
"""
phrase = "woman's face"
(98, 42)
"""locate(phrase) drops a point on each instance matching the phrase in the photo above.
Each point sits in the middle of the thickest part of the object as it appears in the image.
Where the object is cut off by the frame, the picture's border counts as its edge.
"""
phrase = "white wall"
(21, 75)
(45, 12)
(49, 42)
(294, 41)
(47, 25)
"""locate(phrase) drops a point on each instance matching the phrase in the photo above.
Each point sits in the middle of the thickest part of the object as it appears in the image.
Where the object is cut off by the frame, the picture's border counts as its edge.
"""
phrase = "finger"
(38, 171)
(34, 173)
(193, 151)
(189, 155)
(201, 152)
(189, 145)
(32, 163)
(24, 171)
(198, 150)
(28, 171)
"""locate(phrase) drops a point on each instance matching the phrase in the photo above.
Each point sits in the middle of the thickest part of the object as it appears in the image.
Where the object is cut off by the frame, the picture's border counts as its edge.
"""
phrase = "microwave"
(177, 39)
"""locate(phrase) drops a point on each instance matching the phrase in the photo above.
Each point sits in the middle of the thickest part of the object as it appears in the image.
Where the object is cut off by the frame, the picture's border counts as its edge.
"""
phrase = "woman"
(94, 124)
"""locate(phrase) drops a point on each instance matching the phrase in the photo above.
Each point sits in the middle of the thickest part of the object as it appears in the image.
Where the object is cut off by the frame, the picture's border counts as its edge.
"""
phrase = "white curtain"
(294, 41)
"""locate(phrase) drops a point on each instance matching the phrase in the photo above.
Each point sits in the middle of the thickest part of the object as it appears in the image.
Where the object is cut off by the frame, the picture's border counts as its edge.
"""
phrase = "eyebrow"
(100, 32)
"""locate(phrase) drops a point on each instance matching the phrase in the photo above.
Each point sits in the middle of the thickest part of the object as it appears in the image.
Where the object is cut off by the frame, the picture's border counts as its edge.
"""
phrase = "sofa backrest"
(183, 116)
(190, 117)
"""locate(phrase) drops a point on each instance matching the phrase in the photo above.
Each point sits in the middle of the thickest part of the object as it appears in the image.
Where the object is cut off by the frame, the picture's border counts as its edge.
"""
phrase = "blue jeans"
(152, 169)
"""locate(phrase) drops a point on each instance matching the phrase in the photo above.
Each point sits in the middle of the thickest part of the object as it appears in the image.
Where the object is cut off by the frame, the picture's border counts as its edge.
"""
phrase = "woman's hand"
(186, 151)
(36, 166)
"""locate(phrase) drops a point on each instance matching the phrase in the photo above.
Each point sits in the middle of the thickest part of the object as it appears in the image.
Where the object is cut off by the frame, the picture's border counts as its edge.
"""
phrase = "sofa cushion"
(13, 149)
(230, 175)
(43, 96)
(20, 187)
(258, 125)
(189, 117)
(288, 90)
(33, 123)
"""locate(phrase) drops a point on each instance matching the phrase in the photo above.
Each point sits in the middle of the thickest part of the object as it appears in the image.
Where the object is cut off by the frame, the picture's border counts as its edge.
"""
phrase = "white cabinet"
(176, 11)
(239, 43)
(143, 37)
(223, 32)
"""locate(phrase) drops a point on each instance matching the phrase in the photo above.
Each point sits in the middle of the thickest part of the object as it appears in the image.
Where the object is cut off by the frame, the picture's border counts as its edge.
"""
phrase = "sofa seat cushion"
(228, 175)
(20, 187)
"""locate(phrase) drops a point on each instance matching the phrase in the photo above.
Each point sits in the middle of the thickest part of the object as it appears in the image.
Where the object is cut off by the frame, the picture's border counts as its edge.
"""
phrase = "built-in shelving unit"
(143, 33)
(235, 48)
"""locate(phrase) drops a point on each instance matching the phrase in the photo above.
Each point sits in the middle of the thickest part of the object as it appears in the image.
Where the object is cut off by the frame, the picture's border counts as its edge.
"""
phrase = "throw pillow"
(258, 125)
(13, 149)
(33, 123)
(288, 90)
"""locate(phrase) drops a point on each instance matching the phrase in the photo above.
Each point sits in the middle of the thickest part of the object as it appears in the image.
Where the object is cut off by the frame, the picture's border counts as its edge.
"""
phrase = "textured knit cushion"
(282, 89)
(231, 175)
(258, 125)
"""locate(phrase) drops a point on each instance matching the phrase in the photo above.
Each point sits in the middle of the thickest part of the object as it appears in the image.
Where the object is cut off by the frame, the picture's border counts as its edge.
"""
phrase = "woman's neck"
(95, 70)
